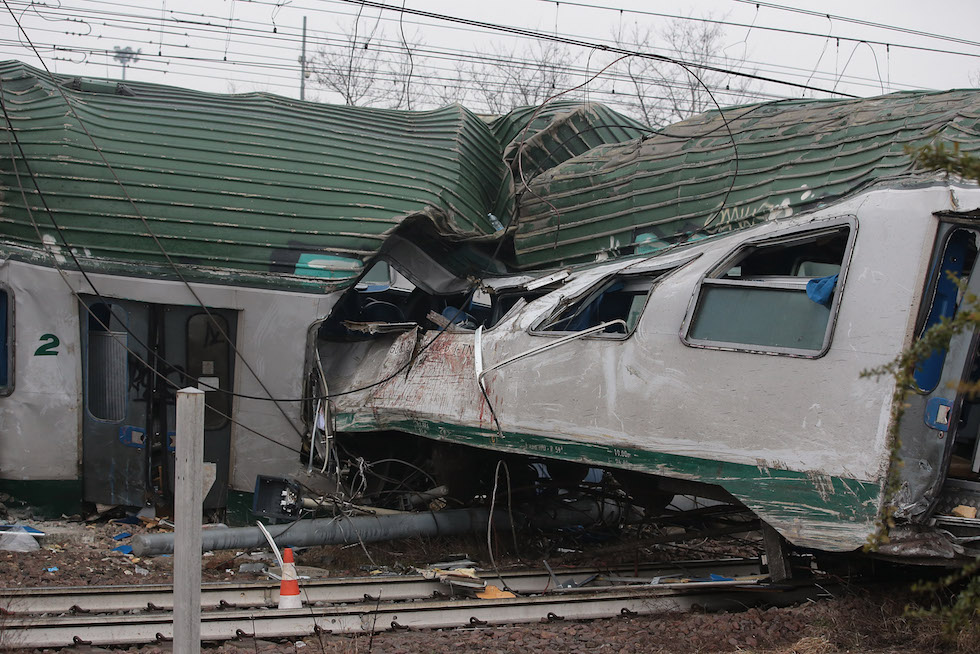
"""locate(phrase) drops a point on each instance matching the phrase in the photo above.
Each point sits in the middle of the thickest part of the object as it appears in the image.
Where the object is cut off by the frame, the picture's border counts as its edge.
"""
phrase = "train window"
(107, 362)
(6, 342)
(776, 295)
(620, 298)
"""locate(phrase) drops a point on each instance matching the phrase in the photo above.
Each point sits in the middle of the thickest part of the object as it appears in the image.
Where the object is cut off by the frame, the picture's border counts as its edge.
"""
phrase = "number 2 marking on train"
(49, 346)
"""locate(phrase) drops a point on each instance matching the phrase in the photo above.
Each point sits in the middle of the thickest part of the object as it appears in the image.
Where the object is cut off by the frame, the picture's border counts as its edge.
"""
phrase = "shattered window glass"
(621, 299)
(6, 342)
(776, 294)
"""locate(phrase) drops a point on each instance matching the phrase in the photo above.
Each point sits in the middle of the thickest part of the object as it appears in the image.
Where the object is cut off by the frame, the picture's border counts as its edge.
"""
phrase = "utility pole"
(302, 65)
(126, 56)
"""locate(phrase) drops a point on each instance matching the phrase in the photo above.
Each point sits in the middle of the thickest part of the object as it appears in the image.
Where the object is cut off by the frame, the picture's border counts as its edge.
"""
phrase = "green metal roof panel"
(549, 135)
(252, 183)
(791, 155)
(258, 189)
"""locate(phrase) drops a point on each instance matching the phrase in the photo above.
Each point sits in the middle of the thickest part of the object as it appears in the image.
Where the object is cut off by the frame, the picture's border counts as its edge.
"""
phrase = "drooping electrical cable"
(411, 60)
(851, 56)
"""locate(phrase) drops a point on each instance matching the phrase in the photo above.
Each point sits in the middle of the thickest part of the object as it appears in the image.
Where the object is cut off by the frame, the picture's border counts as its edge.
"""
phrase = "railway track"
(114, 615)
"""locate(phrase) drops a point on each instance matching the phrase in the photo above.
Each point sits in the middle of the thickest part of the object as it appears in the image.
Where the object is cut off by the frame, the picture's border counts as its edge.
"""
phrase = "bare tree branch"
(368, 69)
(661, 93)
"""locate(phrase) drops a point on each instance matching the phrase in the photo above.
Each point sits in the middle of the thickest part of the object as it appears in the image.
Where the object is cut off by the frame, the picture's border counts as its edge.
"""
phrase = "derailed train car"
(708, 363)
(724, 363)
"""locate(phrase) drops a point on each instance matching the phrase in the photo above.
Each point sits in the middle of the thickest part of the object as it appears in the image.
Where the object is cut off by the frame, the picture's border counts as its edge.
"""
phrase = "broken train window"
(385, 301)
(620, 298)
(6, 342)
(775, 295)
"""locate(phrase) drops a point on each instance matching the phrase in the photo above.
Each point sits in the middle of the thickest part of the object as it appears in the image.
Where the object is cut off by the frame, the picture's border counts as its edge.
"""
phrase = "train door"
(939, 429)
(135, 356)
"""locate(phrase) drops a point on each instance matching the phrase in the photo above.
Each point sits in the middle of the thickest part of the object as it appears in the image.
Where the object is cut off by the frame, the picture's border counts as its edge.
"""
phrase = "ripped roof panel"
(294, 194)
(788, 155)
(549, 135)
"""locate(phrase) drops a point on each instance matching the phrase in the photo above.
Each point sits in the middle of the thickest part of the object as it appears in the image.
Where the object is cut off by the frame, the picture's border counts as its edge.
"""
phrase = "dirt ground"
(856, 620)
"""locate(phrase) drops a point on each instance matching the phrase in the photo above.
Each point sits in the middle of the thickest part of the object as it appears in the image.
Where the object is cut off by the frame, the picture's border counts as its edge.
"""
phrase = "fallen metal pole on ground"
(333, 531)
(342, 530)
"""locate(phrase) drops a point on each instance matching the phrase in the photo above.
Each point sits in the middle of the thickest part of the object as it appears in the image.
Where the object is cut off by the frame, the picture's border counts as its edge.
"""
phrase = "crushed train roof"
(731, 168)
(270, 190)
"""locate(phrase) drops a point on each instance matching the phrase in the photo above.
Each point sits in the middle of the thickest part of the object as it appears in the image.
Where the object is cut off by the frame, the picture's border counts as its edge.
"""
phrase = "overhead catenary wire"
(612, 48)
(219, 24)
(211, 24)
(274, 63)
(609, 96)
(200, 20)
(862, 22)
(786, 30)
(586, 44)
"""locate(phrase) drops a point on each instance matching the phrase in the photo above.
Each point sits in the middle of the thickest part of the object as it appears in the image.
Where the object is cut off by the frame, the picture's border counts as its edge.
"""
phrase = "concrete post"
(188, 499)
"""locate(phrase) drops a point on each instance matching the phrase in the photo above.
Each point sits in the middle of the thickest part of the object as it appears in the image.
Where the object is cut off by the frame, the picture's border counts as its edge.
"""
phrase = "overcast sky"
(248, 45)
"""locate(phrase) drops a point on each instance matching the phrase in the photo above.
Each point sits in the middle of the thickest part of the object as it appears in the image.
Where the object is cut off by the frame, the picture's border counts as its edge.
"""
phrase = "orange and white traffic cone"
(289, 586)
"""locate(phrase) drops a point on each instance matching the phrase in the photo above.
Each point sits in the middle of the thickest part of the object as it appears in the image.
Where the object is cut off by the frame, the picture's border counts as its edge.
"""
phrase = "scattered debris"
(964, 511)
(128, 520)
(492, 592)
(18, 539)
(257, 568)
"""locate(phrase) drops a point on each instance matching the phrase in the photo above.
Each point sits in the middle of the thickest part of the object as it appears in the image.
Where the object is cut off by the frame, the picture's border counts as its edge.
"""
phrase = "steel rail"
(108, 599)
(28, 632)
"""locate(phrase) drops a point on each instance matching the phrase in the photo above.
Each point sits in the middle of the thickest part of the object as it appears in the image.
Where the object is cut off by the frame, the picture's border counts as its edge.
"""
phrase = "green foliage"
(962, 612)
(939, 158)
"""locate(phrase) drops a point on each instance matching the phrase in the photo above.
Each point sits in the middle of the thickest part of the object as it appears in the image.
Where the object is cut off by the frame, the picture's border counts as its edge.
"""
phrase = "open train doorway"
(135, 357)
